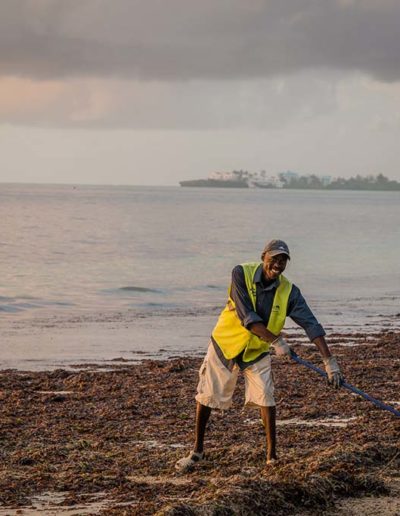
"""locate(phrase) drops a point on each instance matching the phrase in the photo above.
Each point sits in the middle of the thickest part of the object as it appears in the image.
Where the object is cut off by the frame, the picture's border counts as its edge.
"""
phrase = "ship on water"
(219, 180)
(263, 184)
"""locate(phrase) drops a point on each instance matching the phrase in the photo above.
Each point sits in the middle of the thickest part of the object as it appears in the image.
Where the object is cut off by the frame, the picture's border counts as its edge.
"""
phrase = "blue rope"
(348, 386)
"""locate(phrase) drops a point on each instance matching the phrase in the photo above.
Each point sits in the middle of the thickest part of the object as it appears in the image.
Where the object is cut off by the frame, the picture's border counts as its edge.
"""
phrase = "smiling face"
(273, 266)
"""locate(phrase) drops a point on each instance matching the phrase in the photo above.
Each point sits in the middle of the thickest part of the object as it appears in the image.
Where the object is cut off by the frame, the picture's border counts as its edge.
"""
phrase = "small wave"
(388, 316)
(159, 305)
(56, 303)
(10, 309)
(25, 306)
(139, 289)
(359, 299)
(171, 310)
(17, 298)
(26, 303)
(18, 307)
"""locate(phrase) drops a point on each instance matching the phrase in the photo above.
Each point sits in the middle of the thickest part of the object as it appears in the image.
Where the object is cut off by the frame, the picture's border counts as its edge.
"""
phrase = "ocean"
(95, 274)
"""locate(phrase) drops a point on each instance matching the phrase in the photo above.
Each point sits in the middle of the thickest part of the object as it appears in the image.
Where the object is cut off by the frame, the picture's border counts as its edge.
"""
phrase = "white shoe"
(187, 463)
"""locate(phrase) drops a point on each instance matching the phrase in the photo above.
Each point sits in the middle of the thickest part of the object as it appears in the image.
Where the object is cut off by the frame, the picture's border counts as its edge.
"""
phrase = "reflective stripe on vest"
(229, 333)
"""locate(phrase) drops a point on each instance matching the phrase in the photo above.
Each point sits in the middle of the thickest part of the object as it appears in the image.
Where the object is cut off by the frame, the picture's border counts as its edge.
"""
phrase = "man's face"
(273, 266)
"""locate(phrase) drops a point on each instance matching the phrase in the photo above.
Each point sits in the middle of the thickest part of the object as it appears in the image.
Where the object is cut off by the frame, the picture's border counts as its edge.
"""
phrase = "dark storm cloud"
(197, 39)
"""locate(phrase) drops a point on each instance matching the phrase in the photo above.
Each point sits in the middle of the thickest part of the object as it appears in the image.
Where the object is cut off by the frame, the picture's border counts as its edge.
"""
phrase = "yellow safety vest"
(230, 334)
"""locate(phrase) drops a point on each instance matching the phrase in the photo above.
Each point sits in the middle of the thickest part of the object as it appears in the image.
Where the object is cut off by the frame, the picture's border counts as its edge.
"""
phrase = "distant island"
(312, 182)
(220, 180)
(293, 181)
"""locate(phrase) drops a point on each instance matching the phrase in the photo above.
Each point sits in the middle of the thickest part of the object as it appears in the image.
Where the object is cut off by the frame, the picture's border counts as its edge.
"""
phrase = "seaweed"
(114, 436)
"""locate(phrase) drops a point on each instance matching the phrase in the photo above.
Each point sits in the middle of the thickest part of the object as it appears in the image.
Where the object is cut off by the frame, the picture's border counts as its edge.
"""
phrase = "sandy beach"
(105, 442)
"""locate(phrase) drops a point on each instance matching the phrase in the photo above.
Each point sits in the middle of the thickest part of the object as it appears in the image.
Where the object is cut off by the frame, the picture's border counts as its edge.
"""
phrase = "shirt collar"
(258, 278)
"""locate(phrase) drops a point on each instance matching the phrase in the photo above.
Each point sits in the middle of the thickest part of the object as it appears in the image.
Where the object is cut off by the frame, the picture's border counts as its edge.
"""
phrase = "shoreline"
(51, 343)
(106, 441)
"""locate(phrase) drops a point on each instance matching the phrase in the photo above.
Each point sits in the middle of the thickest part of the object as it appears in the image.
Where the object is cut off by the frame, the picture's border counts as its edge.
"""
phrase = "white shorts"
(217, 383)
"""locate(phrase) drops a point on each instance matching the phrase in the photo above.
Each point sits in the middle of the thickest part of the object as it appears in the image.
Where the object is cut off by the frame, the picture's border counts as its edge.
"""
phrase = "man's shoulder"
(237, 271)
(250, 264)
(295, 291)
(242, 268)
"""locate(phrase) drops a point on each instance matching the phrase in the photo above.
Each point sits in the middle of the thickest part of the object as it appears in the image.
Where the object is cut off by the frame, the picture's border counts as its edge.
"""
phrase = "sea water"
(91, 273)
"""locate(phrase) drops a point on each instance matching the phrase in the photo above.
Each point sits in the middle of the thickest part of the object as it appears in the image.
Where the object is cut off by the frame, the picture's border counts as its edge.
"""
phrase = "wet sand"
(92, 442)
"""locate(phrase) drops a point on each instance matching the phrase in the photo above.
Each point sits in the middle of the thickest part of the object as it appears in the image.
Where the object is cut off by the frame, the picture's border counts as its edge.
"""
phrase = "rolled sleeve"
(301, 314)
(241, 298)
(315, 331)
(250, 319)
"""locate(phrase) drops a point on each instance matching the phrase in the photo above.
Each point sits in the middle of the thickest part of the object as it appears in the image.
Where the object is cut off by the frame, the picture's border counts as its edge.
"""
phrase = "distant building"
(275, 181)
(288, 175)
(222, 175)
(326, 180)
(262, 180)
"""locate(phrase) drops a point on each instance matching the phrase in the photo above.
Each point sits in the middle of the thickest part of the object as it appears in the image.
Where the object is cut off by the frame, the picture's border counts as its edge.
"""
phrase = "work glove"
(281, 347)
(335, 377)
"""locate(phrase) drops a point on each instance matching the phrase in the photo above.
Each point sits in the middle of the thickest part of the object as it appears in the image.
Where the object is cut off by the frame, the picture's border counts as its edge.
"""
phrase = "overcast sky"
(154, 91)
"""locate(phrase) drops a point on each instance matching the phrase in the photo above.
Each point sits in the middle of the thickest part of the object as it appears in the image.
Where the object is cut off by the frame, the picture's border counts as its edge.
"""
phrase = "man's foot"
(187, 463)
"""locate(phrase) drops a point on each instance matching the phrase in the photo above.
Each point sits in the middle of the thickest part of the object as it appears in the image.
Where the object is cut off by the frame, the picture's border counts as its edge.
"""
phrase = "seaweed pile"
(114, 436)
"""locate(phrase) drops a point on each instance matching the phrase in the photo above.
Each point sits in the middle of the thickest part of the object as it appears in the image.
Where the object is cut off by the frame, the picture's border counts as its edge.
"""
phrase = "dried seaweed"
(115, 435)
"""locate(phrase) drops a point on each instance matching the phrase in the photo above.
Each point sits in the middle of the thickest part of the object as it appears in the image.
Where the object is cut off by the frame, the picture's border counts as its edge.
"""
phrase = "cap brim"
(276, 252)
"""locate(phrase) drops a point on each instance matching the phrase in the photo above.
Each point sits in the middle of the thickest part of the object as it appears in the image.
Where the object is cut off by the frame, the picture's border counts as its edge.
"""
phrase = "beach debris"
(117, 434)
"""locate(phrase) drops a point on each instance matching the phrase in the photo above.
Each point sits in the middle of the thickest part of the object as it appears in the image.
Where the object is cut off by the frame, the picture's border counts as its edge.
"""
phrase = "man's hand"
(335, 377)
(281, 347)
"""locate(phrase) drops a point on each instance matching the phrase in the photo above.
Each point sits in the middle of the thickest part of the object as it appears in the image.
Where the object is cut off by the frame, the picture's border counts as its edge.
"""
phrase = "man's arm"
(299, 311)
(261, 331)
(322, 346)
(301, 314)
(278, 342)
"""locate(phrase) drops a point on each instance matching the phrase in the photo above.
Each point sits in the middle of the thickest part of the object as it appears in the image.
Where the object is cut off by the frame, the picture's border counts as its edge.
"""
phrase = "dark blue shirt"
(297, 309)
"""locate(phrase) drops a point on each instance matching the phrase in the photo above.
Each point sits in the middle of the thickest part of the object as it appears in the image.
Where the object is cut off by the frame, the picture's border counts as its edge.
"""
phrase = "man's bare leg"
(202, 416)
(268, 416)
(186, 463)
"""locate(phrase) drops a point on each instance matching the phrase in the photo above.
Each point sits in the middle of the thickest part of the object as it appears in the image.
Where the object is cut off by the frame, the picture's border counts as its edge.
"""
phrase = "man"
(259, 300)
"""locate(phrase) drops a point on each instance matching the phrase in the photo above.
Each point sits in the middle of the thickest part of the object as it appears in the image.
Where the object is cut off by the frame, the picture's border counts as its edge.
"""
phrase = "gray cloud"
(262, 104)
(177, 40)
